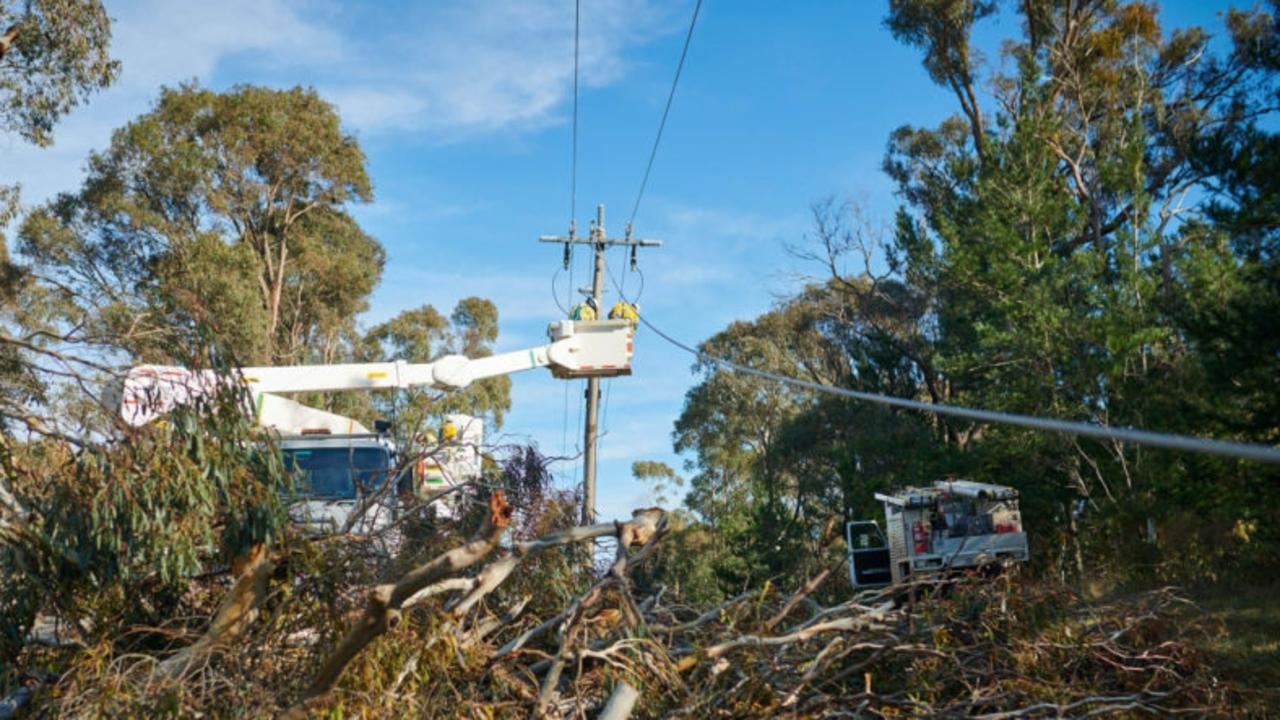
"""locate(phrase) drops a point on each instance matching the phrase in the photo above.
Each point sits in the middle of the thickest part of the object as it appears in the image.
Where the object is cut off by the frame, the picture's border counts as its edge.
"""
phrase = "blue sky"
(464, 109)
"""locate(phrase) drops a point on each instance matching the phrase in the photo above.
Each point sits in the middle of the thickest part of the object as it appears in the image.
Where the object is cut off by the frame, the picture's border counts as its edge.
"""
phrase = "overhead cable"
(1189, 443)
(573, 211)
(573, 170)
(666, 111)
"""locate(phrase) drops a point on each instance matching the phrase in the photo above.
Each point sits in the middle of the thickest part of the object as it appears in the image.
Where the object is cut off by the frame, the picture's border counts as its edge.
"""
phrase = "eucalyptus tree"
(54, 54)
(422, 334)
(224, 210)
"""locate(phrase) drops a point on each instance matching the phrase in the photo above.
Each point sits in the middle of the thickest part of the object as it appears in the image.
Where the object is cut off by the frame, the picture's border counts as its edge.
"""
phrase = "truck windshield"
(333, 472)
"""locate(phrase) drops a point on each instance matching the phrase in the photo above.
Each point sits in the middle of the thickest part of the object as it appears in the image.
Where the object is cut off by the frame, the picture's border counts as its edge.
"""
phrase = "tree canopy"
(228, 209)
(55, 55)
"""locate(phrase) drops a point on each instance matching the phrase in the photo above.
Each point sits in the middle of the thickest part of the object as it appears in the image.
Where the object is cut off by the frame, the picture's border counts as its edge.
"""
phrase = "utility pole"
(599, 243)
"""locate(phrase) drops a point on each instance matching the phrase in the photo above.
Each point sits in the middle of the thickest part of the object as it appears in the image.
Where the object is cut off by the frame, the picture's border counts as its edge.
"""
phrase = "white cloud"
(373, 109)
(159, 42)
(445, 71)
(460, 70)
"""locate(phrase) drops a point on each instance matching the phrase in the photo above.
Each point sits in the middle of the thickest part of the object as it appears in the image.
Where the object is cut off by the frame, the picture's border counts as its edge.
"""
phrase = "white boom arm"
(578, 349)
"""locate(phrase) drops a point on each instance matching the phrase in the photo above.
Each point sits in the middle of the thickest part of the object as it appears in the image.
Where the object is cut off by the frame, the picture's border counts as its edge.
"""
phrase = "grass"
(1246, 646)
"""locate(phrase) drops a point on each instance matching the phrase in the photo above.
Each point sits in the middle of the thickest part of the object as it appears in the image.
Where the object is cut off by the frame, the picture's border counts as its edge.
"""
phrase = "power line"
(1246, 451)
(573, 214)
(555, 296)
(666, 111)
(573, 173)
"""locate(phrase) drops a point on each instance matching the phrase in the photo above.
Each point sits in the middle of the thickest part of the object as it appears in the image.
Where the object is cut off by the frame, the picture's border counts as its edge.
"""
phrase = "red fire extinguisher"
(920, 537)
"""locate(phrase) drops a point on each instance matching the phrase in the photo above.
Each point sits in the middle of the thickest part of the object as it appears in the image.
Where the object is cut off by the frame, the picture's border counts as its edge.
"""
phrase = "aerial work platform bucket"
(601, 348)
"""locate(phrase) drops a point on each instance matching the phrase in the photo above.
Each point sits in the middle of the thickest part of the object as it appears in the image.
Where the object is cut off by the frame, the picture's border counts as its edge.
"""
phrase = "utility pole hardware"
(599, 243)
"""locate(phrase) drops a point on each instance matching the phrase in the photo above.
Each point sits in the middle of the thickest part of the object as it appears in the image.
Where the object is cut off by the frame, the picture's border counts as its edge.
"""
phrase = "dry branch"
(385, 601)
(621, 702)
(999, 650)
(795, 599)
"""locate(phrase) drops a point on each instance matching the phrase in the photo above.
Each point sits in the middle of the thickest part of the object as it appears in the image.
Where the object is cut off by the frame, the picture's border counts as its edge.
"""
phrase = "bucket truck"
(338, 459)
(954, 525)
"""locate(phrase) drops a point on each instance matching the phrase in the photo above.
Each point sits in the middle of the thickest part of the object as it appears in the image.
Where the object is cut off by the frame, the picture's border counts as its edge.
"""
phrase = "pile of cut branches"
(450, 638)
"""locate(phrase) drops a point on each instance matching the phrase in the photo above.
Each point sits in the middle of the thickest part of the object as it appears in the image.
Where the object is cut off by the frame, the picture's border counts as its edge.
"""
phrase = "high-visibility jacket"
(624, 311)
(583, 311)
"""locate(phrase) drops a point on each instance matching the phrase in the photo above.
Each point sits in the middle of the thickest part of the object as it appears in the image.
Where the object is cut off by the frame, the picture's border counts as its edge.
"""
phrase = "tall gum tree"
(226, 209)
(54, 54)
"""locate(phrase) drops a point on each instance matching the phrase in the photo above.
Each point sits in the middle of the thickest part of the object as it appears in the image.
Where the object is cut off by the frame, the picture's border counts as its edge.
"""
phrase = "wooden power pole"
(599, 243)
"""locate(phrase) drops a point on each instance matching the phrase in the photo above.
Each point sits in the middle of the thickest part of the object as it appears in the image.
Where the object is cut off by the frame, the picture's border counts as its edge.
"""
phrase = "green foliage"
(1060, 260)
(1051, 258)
(225, 209)
(127, 522)
(660, 475)
(58, 57)
(695, 563)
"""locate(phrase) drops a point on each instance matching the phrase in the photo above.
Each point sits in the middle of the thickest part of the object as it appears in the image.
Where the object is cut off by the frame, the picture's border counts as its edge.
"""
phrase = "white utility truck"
(952, 525)
(338, 460)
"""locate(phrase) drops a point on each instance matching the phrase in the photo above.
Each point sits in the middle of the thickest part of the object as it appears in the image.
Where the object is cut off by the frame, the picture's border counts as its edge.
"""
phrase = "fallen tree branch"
(237, 612)
(621, 701)
(795, 599)
(386, 601)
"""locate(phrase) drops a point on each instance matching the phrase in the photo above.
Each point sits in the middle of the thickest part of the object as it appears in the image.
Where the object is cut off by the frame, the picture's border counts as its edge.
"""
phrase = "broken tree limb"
(444, 586)
(523, 638)
(386, 601)
(490, 625)
(639, 530)
(644, 526)
(238, 610)
(573, 617)
(707, 616)
(621, 702)
(846, 624)
(794, 600)
(484, 583)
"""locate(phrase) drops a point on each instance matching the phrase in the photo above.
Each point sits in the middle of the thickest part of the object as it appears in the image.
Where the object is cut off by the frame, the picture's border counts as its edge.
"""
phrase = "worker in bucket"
(625, 311)
(586, 311)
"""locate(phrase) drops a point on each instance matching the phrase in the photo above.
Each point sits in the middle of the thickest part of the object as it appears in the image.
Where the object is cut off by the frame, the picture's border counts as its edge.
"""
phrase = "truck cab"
(334, 474)
(952, 525)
